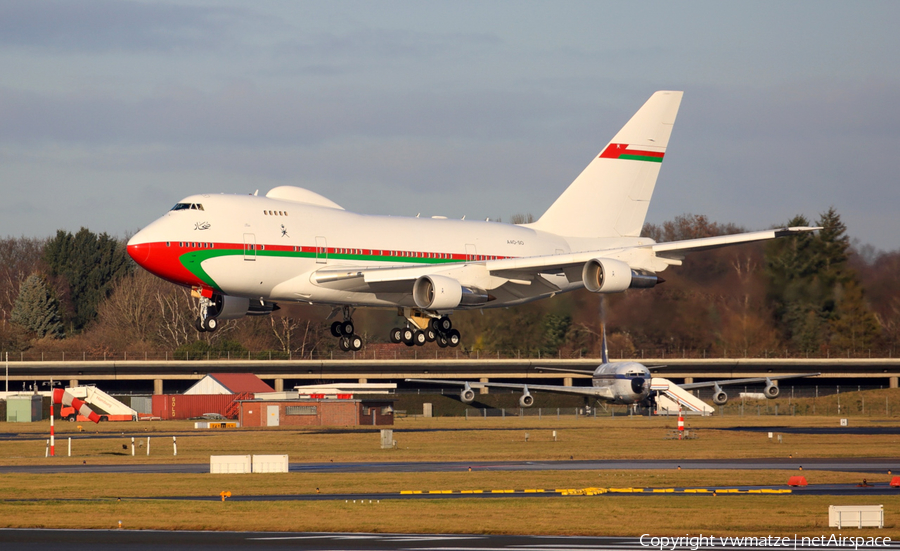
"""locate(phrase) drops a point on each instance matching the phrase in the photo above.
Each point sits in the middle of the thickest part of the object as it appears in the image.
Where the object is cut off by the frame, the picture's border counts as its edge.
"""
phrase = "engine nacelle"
(720, 397)
(437, 292)
(604, 275)
(467, 396)
(229, 307)
(771, 391)
(526, 400)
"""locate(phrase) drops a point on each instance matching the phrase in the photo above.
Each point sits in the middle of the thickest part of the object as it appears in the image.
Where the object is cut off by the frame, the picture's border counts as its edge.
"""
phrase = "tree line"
(813, 294)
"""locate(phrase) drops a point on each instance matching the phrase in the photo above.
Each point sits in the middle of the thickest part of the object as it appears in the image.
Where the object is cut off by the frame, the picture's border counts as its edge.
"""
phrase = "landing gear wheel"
(347, 328)
(444, 324)
(442, 341)
(344, 343)
(406, 335)
(396, 335)
(198, 325)
(453, 337)
(355, 342)
(419, 338)
(210, 324)
(336, 329)
(430, 334)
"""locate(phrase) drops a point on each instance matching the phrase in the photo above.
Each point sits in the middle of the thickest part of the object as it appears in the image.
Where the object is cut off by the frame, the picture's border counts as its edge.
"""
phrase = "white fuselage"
(623, 382)
(280, 250)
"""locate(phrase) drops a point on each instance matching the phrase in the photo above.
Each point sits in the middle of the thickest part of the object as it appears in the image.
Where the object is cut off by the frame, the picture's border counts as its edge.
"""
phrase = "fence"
(401, 352)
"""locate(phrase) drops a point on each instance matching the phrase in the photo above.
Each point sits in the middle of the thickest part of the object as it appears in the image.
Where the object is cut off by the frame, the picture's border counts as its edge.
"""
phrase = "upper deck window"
(188, 206)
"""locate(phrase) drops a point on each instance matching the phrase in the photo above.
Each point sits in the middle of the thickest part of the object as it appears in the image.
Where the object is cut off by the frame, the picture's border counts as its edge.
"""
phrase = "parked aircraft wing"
(561, 370)
(584, 391)
(749, 380)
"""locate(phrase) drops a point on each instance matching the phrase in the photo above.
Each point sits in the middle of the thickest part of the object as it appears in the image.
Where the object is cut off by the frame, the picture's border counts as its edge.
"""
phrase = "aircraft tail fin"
(611, 196)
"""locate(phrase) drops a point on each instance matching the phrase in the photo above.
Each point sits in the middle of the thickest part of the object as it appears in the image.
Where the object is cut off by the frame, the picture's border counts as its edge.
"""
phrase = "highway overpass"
(174, 375)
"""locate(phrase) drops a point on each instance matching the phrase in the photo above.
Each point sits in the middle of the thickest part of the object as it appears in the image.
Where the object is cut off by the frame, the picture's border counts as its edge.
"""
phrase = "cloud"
(112, 25)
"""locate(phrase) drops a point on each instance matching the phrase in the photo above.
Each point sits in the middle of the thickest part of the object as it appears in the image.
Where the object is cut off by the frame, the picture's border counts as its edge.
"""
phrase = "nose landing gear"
(206, 322)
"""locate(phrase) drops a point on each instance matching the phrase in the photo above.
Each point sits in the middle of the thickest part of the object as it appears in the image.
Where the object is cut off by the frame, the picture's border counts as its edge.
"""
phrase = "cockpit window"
(188, 206)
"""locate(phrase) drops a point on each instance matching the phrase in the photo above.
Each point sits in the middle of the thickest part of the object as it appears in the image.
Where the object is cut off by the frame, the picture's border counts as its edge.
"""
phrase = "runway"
(845, 464)
(125, 540)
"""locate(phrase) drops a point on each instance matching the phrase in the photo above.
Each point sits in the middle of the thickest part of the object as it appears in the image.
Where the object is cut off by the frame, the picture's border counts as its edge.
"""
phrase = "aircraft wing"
(580, 390)
(750, 380)
(560, 370)
(653, 257)
(650, 257)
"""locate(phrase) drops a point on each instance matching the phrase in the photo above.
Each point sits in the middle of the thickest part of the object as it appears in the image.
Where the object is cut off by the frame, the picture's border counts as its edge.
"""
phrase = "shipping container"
(142, 404)
(181, 406)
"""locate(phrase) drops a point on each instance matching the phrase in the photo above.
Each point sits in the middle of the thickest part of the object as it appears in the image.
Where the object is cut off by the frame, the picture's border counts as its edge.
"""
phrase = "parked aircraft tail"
(611, 196)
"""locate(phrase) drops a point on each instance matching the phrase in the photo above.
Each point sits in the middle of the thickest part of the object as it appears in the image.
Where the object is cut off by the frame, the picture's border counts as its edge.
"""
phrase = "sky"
(111, 111)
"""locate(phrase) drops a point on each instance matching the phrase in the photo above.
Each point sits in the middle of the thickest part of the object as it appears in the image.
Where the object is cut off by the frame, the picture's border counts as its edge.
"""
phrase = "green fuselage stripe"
(193, 260)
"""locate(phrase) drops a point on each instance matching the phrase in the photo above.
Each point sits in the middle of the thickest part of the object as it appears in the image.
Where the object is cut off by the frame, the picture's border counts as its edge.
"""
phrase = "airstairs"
(96, 397)
(670, 398)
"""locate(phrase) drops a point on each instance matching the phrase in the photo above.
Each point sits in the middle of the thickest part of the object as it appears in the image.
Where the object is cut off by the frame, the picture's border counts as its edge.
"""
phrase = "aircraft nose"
(138, 249)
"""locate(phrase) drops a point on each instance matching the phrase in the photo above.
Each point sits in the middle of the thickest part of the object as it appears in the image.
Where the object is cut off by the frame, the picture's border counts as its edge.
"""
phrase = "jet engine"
(771, 391)
(605, 275)
(720, 397)
(527, 400)
(467, 396)
(229, 307)
(437, 292)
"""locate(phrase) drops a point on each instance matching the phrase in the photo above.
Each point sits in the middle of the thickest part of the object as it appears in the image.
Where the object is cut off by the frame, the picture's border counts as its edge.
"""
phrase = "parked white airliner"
(243, 253)
(626, 383)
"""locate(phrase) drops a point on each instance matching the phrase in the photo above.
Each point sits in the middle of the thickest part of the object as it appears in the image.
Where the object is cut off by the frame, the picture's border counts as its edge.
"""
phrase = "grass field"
(43, 500)
(447, 438)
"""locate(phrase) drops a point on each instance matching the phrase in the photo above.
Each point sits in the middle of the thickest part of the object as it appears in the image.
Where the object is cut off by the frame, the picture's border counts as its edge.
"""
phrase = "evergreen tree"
(89, 265)
(36, 309)
(815, 294)
(854, 326)
(556, 329)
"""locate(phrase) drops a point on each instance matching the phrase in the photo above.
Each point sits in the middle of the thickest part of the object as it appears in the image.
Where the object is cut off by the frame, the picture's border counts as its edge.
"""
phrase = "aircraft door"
(470, 252)
(249, 246)
(321, 250)
(272, 418)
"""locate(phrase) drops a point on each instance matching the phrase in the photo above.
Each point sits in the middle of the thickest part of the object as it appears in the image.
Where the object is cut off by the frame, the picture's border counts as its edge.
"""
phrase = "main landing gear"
(343, 330)
(420, 330)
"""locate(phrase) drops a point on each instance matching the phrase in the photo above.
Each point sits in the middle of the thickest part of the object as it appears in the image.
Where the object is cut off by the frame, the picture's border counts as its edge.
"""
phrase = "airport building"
(313, 412)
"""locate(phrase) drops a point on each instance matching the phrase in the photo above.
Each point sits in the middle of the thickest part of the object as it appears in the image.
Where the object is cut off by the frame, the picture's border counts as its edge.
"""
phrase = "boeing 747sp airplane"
(241, 254)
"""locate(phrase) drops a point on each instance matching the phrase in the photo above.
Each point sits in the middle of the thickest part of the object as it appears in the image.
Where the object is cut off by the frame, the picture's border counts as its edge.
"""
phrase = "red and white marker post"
(680, 424)
(52, 441)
